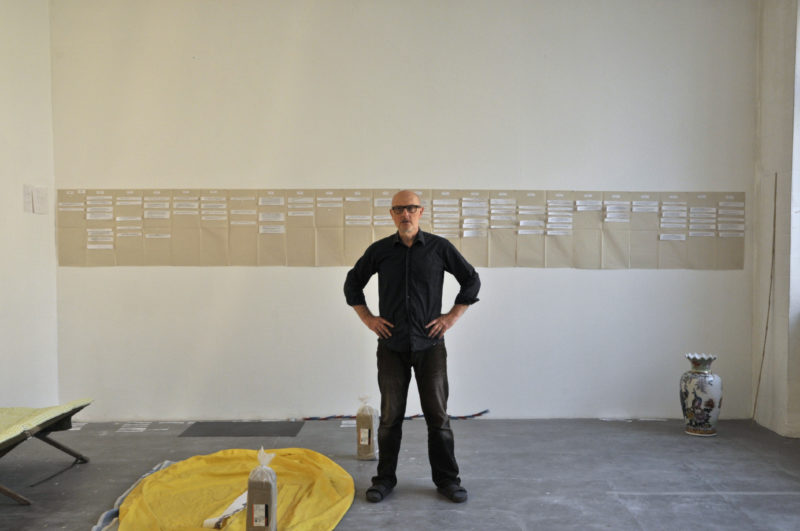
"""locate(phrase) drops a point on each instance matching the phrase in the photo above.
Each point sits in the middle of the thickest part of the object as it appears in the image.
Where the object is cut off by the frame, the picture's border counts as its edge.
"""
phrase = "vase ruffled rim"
(700, 357)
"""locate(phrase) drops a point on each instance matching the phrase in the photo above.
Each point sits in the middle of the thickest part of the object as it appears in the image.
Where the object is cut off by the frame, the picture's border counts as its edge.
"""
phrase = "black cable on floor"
(411, 417)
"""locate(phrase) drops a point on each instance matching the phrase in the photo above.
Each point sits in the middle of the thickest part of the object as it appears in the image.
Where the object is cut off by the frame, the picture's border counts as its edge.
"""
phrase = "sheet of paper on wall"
(446, 215)
(503, 209)
(530, 247)
(41, 201)
(157, 215)
(300, 246)
(27, 198)
(645, 207)
(475, 246)
(100, 248)
(187, 234)
(300, 228)
(157, 247)
(358, 236)
(186, 226)
(71, 208)
(475, 226)
(382, 226)
(330, 246)
(214, 243)
(128, 206)
(71, 246)
(587, 248)
(558, 248)
(329, 220)
(616, 249)
(243, 227)
(532, 218)
(382, 200)
(329, 209)
(128, 221)
(616, 241)
(503, 248)
(560, 213)
(673, 250)
(731, 230)
(271, 198)
(503, 225)
(357, 203)
(644, 249)
(357, 224)
(129, 245)
(588, 210)
(186, 209)
(99, 209)
(272, 208)
(214, 228)
(531, 209)
(382, 223)
(271, 245)
(243, 243)
(701, 237)
(100, 227)
(559, 241)
(426, 220)
(185, 245)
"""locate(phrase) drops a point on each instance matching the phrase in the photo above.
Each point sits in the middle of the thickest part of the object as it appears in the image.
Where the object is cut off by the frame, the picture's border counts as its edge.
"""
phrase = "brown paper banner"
(333, 227)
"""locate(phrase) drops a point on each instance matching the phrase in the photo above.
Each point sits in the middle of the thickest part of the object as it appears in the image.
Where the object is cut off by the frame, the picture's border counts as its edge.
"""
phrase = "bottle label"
(260, 515)
(364, 436)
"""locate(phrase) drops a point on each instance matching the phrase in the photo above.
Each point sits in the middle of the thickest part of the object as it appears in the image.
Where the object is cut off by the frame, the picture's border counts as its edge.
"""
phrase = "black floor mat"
(243, 429)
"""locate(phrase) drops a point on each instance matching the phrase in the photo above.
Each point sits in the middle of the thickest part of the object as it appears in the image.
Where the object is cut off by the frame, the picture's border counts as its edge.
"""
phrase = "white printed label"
(363, 436)
(260, 515)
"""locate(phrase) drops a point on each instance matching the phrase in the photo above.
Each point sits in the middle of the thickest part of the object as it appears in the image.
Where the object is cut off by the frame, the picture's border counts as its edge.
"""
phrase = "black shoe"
(377, 492)
(453, 492)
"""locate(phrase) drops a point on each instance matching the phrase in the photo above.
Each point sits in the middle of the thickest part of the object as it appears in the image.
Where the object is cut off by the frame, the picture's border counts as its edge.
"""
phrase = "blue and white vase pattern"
(701, 396)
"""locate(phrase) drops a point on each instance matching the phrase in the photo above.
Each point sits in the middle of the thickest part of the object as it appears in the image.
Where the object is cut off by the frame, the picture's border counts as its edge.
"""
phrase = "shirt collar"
(419, 238)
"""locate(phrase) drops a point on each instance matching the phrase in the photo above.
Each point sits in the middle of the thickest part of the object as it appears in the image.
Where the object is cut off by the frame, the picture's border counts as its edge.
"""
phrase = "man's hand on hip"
(443, 323)
(379, 325)
(376, 323)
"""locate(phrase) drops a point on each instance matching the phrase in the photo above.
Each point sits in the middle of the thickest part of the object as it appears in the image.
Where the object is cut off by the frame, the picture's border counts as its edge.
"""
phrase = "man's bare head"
(406, 212)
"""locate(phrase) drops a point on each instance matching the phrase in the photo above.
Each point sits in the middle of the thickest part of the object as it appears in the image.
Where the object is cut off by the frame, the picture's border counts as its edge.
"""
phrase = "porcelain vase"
(701, 396)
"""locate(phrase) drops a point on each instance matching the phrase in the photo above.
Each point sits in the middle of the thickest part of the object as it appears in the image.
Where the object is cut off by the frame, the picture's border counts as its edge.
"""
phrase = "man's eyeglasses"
(412, 209)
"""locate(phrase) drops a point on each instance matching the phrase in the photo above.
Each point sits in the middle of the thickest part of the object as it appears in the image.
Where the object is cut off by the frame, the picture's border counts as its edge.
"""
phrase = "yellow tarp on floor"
(314, 493)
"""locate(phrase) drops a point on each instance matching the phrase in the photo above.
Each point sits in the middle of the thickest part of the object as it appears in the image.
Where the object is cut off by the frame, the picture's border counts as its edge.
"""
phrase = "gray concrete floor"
(537, 474)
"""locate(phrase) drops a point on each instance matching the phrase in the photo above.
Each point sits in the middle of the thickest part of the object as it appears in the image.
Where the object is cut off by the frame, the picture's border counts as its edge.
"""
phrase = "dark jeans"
(394, 376)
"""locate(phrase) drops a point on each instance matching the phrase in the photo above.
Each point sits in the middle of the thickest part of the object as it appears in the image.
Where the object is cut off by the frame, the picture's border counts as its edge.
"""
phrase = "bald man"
(410, 327)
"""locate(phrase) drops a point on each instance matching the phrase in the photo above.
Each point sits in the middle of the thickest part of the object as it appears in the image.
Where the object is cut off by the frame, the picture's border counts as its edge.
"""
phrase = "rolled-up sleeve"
(465, 274)
(357, 278)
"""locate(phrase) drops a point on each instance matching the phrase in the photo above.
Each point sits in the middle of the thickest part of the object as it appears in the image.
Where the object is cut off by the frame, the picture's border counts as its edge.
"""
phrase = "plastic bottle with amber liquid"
(262, 496)
(366, 431)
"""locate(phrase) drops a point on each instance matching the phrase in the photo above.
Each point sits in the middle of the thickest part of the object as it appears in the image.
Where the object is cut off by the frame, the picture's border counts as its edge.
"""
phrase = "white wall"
(28, 376)
(626, 95)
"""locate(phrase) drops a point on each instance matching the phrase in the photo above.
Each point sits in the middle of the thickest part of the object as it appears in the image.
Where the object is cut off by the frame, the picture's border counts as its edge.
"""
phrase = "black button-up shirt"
(410, 281)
